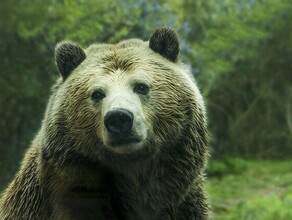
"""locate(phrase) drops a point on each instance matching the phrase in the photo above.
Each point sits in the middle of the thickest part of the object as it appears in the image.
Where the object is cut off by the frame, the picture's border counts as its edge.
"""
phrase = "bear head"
(124, 102)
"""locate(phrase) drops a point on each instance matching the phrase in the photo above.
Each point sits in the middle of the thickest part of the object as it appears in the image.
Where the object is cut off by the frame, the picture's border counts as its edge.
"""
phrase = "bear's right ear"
(68, 56)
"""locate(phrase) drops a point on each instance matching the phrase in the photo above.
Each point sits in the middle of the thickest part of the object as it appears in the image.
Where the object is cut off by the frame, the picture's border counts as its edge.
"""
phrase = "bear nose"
(118, 121)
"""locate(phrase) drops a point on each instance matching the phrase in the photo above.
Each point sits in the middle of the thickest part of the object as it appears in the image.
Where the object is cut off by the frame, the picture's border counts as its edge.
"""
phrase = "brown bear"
(124, 136)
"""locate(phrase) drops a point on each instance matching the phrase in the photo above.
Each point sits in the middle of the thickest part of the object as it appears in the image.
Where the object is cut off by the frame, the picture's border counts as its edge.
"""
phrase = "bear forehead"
(125, 55)
(131, 43)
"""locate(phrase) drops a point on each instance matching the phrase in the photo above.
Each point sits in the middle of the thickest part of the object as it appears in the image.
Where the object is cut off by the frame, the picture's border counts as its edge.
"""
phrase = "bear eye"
(141, 88)
(97, 95)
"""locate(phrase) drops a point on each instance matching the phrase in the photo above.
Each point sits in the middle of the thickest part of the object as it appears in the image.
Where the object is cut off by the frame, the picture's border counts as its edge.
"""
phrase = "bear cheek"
(161, 128)
(82, 115)
(164, 120)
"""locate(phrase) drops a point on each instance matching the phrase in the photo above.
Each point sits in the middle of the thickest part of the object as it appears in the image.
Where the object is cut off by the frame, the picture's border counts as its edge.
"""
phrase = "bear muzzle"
(119, 124)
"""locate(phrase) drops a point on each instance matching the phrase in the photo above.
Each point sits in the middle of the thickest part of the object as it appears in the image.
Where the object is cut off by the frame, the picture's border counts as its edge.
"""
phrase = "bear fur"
(124, 136)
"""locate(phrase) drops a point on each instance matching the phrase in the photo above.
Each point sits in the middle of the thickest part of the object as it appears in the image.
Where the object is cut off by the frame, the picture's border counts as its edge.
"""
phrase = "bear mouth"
(125, 145)
(121, 142)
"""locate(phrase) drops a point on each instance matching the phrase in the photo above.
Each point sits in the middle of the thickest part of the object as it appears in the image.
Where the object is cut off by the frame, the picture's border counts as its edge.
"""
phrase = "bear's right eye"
(97, 95)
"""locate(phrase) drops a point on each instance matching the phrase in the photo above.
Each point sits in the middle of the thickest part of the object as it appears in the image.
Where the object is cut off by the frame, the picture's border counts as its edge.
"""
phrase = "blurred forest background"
(240, 52)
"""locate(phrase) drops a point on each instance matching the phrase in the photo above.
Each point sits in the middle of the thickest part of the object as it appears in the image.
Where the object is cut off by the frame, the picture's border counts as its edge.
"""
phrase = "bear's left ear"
(165, 42)
(68, 56)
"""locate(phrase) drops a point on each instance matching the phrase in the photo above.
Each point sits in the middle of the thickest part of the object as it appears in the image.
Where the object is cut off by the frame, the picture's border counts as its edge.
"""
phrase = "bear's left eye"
(141, 88)
(97, 95)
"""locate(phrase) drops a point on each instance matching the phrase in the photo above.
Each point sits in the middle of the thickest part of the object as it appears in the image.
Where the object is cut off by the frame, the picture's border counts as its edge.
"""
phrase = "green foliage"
(262, 191)
(261, 209)
(226, 166)
(246, 78)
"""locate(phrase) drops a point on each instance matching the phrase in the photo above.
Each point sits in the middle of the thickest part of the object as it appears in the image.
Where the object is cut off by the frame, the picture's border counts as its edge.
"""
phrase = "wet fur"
(67, 173)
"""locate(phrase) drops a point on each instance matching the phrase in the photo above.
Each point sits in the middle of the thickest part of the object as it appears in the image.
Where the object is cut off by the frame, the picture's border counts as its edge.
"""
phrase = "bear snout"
(119, 122)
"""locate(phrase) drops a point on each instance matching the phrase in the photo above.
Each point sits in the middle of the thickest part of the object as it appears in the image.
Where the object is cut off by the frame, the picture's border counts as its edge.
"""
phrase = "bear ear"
(68, 56)
(165, 42)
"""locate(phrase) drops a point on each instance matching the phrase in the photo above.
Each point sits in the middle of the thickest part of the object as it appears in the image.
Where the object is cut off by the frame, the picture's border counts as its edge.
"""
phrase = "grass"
(252, 190)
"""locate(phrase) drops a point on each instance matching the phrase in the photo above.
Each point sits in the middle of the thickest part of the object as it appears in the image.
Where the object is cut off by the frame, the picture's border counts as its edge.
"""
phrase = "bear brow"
(160, 66)
(113, 62)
